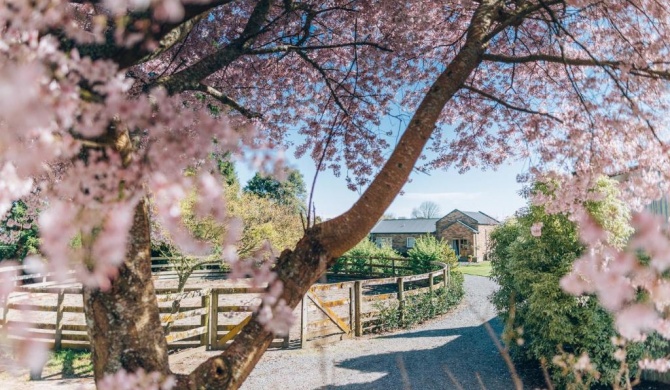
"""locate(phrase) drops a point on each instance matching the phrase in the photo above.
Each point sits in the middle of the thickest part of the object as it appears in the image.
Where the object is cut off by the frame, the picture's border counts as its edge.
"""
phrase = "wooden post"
(358, 299)
(213, 320)
(59, 320)
(447, 282)
(352, 310)
(5, 312)
(393, 266)
(401, 298)
(204, 319)
(303, 321)
(430, 283)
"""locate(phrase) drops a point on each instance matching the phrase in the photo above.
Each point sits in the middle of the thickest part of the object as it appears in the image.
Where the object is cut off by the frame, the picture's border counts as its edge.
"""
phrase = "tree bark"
(123, 323)
(323, 243)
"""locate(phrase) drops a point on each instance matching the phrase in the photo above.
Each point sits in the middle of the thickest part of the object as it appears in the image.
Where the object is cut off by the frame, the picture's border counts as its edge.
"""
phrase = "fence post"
(358, 299)
(303, 320)
(5, 312)
(352, 310)
(393, 265)
(204, 319)
(447, 282)
(213, 320)
(401, 298)
(430, 283)
(59, 320)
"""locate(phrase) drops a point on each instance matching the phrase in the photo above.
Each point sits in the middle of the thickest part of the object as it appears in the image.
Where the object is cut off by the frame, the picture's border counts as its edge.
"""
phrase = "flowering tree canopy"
(107, 102)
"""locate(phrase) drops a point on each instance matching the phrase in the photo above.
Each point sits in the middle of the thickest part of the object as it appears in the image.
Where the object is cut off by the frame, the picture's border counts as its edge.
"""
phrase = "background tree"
(18, 232)
(104, 101)
(426, 209)
(289, 192)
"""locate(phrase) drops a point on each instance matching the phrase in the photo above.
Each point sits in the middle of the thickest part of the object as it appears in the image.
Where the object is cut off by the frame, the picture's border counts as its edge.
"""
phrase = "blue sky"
(493, 192)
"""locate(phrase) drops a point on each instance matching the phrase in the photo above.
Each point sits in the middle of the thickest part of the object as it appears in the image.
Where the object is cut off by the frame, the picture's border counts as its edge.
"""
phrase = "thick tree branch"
(519, 15)
(324, 242)
(191, 77)
(218, 95)
(167, 35)
(647, 71)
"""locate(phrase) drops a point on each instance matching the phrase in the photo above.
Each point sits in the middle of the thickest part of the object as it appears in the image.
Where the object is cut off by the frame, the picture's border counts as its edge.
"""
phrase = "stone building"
(467, 232)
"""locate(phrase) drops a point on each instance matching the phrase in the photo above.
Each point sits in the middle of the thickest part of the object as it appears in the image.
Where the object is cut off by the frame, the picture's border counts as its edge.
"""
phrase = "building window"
(384, 242)
(464, 244)
(410, 242)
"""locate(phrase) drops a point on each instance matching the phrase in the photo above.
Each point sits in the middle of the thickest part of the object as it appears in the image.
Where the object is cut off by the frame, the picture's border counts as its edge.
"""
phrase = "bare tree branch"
(509, 105)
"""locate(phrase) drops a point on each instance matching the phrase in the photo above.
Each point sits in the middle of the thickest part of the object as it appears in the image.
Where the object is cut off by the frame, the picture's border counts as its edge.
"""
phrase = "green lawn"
(479, 269)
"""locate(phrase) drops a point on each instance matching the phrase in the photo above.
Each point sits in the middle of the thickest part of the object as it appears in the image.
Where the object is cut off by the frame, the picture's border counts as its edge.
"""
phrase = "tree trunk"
(123, 323)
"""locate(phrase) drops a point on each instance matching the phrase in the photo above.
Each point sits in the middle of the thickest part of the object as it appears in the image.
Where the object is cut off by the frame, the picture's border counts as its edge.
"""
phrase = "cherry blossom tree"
(107, 102)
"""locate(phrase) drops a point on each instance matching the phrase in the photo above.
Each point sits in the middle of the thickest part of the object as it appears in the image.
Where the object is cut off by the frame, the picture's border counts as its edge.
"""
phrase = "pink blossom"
(139, 380)
(634, 321)
(536, 229)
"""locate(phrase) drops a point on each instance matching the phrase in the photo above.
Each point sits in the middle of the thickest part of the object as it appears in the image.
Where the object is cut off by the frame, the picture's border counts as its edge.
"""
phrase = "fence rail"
(53, 313)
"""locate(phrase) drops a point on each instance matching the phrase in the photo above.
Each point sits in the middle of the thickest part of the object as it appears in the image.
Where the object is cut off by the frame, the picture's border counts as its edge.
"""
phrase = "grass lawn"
(479, 269)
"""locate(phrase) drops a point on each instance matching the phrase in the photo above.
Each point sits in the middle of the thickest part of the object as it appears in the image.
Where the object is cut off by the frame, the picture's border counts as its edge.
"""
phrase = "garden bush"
(542, 321)
(422, 307)
(428, 249)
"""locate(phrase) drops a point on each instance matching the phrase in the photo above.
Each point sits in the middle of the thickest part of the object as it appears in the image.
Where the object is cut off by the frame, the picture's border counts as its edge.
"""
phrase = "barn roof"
(418, 225)
(481, 218)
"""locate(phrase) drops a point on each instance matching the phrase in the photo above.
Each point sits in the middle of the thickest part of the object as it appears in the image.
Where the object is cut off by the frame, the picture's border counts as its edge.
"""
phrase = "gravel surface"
(456, 345)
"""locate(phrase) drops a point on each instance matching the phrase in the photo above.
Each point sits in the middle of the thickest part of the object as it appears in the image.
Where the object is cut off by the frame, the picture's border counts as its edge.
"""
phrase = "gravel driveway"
(457, 345)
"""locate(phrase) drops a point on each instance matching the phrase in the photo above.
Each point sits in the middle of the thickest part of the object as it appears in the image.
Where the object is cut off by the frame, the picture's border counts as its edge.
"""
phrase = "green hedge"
(541, 320)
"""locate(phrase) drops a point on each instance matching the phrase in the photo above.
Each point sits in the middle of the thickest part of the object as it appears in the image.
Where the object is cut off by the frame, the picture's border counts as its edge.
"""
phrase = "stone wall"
(483, 241)
(459, 232)
(399, 240)
(453, 217)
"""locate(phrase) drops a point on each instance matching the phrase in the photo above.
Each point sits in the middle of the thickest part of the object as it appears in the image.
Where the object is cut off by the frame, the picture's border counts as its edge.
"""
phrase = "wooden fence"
(192, 318)
(346, 309)
(53, 313)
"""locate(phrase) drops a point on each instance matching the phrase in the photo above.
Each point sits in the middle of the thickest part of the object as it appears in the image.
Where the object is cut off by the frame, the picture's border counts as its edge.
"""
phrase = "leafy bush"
(419, 308)
(428, 249)
(541, 320)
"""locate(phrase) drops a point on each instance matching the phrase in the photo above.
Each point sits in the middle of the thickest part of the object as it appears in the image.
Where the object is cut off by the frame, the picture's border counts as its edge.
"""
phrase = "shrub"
(428, 249)
(419, 308)
(541, 320)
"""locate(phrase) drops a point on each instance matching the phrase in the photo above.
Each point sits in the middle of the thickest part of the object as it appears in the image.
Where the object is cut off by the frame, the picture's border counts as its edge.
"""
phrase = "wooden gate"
(327, 312)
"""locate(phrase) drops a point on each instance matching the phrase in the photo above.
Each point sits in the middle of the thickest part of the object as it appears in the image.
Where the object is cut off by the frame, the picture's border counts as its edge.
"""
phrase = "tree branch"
(648, 72)
(288, 48)
(509, 105)
(167, 35)
(218, 95)
(191, 77)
